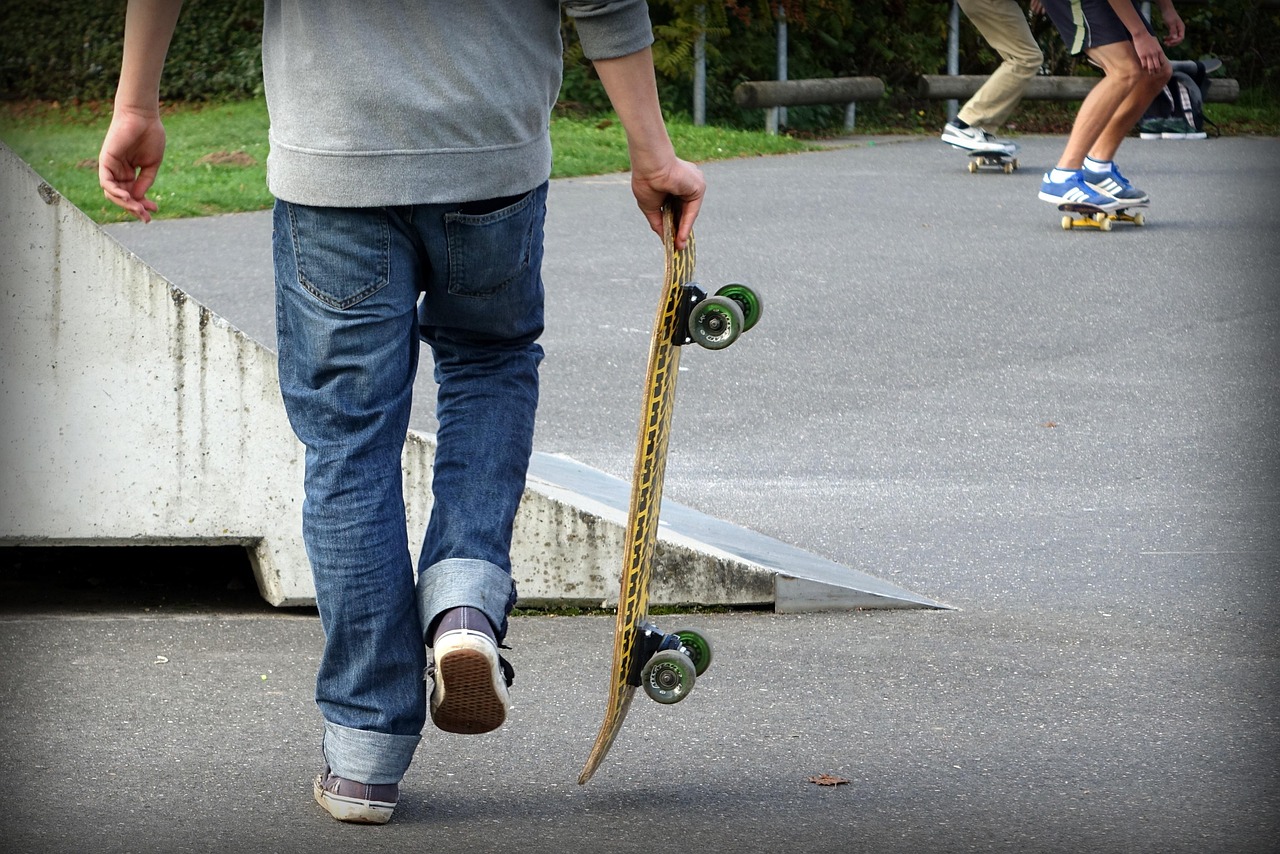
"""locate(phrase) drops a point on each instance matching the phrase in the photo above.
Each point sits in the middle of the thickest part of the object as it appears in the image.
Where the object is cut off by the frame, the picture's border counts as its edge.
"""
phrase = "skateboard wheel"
(1104, 223)
(1139, 219)
(668, 677)
(1066, 223)
(749, 301)
(1008, 168)
(716, 322)
(973, 166)
(697, 647)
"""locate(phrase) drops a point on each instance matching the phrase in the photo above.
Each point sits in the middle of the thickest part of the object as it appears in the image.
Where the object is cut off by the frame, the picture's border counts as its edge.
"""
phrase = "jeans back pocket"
(343, 255)
(489, 251)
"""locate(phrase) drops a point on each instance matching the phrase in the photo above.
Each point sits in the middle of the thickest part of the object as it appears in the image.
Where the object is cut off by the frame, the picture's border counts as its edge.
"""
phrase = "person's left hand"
(1177, 30)
(677, 179)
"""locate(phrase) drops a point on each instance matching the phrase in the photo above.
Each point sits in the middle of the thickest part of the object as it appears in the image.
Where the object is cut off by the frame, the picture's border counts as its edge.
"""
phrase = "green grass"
(62, 144)
(596, 146)
(217, 154)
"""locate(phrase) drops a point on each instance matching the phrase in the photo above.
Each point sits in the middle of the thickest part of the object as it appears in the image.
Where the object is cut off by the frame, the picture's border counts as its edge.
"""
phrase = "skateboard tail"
(646, 496)
(604, 740)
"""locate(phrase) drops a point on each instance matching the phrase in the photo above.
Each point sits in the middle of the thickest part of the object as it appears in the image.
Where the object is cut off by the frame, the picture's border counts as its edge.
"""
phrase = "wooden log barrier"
(1046, 88)
(796, 93)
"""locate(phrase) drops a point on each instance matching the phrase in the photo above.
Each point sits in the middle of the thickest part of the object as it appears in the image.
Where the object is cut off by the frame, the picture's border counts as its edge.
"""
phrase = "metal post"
(700, 70)
(953, 54)
(781, 115)
(850, 115)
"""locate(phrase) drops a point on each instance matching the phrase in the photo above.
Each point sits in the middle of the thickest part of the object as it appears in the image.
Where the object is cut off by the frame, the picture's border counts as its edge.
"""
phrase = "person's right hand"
(1150, 54)
(129, 160)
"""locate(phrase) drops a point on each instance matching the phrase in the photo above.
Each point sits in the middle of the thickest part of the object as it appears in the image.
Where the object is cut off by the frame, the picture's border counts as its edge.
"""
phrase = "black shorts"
(1089, 23)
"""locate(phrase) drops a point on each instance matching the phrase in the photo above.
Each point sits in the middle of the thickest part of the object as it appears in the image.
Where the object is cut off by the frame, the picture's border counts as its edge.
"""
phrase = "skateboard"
(665, 665)
(1095, 217)
(1001, 160)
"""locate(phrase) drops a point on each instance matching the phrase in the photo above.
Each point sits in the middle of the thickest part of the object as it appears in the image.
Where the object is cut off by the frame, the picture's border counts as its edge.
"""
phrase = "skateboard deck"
(665, 664)
(1001, 160)
(1091, 216)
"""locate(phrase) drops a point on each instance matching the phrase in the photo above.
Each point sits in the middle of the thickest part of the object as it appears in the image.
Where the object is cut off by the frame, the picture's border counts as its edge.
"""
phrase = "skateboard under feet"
(1091, 216)
(665, 665)
(1001, 160)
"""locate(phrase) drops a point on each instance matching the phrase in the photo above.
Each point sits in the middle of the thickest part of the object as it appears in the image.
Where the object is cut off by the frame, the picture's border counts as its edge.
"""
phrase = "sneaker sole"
(351, 809)
(469, 697)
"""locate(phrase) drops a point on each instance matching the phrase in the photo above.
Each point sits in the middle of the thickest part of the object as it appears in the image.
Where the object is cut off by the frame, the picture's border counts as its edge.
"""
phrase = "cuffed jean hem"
(458, 582)
(376, 758)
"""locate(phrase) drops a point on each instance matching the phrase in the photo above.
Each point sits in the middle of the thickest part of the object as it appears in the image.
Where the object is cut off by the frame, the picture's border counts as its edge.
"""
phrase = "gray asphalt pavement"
(1068, 436)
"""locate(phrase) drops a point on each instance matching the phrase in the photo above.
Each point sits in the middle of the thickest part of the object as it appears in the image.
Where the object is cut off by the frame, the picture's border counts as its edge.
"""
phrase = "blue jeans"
(356, 289)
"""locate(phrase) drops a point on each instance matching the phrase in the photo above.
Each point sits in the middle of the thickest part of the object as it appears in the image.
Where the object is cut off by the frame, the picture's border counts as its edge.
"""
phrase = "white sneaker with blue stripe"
(1074, 191)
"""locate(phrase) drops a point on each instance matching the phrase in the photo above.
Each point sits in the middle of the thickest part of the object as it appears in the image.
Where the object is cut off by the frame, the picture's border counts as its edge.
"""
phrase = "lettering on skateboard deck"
(665, 665)
(1092, 216)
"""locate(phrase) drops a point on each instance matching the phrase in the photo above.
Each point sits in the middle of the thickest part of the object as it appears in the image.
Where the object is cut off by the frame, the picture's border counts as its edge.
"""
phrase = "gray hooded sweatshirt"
(399, 102)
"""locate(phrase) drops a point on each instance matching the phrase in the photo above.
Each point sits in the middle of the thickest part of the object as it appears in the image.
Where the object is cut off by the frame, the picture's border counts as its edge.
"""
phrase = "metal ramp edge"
(802, 581)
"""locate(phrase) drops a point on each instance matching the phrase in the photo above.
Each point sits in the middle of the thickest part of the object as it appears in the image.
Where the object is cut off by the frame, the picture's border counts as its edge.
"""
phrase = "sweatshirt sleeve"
(609, 29)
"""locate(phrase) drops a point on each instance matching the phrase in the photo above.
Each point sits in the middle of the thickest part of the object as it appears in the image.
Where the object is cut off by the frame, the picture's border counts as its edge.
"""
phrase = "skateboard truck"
(667, 665)
(715, 322)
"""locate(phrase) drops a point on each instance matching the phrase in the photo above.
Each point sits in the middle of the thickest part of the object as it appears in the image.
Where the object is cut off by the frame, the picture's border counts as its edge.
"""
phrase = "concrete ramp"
(131, 414)
(707, 560)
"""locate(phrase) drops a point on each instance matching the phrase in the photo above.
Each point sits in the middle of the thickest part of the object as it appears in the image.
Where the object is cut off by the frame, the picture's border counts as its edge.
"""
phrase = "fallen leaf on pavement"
(828, 780)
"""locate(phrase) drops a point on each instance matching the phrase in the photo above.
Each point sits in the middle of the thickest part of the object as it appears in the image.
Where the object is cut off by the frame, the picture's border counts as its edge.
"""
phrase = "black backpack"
(1183, 96)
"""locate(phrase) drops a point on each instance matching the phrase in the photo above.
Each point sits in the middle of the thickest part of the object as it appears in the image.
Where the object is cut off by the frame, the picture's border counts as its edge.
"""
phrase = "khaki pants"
(1004, 25)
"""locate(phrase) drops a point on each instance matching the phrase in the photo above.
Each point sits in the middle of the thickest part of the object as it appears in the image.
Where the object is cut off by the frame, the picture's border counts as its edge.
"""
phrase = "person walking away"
(410, 158)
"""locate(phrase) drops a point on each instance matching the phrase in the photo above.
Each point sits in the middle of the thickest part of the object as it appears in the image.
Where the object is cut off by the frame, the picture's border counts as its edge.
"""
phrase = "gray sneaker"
(1151, 128)
(1181, 129)
(361, 803)
(470, 679)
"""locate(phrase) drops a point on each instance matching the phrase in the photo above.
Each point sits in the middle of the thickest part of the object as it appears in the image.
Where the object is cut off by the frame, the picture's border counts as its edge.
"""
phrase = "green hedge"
(70, 49)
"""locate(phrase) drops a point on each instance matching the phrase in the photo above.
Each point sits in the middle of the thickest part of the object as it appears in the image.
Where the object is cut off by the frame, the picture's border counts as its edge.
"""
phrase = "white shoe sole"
(353, 810)
(470, 695)
(980, 147)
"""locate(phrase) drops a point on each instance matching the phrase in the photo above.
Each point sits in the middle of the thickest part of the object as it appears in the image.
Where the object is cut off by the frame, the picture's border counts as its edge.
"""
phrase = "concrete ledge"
(700, 559)
(128, 412)
(131, 414)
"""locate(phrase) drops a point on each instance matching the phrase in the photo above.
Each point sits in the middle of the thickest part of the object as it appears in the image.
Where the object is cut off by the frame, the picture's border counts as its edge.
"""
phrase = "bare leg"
(1110, 111)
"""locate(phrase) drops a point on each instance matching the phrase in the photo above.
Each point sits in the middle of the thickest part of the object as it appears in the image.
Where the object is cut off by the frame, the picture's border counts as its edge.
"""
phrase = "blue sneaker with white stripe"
(1074, 191)
(1115, 185)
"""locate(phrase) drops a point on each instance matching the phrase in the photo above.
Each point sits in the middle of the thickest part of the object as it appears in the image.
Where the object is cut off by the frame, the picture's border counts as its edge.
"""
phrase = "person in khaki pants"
(1004, 25)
